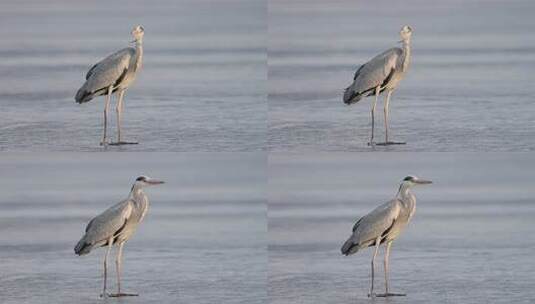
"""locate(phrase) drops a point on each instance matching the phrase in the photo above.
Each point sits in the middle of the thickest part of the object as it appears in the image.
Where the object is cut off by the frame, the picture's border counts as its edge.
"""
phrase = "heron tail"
(82, 247)
(350, 247)
(350, 96)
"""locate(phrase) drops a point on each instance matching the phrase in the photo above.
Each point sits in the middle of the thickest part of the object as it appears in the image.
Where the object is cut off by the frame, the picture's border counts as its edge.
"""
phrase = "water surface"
(202, 241)
(469, 87)
(470, 240)
(202, 86)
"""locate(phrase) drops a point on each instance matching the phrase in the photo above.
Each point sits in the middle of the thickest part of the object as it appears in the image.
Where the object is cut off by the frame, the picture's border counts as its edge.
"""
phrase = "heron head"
(138, 32)
(413, 181)
(405, 33)
(144, 181)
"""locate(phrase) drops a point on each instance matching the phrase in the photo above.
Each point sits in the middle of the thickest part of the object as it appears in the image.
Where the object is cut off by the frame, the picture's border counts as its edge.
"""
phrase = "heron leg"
(387, 103)
(118, 266)
(377, 243)
(110, 244)
(119, 110)
(386, 110)
(387, 258)
(106, 107)
(377, 90)
(118, 263)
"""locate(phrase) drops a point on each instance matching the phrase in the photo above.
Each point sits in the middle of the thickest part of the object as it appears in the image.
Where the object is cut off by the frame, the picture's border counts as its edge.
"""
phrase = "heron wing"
(108, 223)
(376, 71)
(90, 71)
(109, 71)
(376, 223)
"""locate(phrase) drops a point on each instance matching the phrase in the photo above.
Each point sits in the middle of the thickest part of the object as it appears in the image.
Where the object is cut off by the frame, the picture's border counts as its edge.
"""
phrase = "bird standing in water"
(114, 74)
(383, 225)
(115, 226)
(382, 73)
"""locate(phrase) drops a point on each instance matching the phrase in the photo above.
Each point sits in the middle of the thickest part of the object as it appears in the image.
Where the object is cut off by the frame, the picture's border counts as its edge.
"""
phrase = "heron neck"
(136, 192)
(139, 53)
(404, 193)
(406, 54)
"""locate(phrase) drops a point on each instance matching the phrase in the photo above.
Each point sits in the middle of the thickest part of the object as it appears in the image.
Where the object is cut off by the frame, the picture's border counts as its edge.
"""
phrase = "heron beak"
(423, 181)
(155, 182)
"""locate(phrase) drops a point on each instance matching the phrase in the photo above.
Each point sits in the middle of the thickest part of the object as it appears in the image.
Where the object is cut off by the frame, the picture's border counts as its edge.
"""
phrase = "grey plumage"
(116, 225)
(381, 73)
(377, 223)
(109, 72)
(113, 74)
(383, 225)
(106, 225)
(376, 73)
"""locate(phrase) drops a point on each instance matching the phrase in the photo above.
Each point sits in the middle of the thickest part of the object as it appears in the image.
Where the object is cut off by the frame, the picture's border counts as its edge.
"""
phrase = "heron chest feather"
(402, 65)
(133, 67)
(394, 80)
(408, 207)
(140, 206)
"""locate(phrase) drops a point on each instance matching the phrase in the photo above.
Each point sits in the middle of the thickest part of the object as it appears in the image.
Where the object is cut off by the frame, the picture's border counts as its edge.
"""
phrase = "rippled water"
(469, 87)
(470, 240)
(202, 86)
(203, 240)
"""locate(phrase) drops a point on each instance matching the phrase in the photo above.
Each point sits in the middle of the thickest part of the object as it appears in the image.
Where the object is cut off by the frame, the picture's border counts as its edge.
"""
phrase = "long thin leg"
(377, 90)
(377, 243)
(118, 263)
(386, 110)
(110, 244)
(387, 102)
(106, 107)
(387, 259)
(119, 110)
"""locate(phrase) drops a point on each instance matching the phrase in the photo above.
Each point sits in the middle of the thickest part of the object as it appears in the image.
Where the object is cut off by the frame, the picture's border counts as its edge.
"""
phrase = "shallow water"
(469, 87)
(203, 240)
(470, 240)
(202, 86)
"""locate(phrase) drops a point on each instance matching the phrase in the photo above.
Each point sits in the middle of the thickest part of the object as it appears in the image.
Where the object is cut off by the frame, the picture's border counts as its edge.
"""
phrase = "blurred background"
(470, 240)
(469, 87)
(202, 241)
(202, 86)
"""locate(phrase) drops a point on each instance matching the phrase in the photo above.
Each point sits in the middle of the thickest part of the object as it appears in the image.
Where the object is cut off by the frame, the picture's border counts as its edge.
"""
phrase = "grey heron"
(113, 74)
(382, 73)
(115, 226)
(383, 225)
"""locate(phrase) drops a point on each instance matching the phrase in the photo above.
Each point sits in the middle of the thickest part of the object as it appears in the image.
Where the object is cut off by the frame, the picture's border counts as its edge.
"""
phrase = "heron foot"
(372, 143)
(118, 295)
(121, 143)
(390, 143)
(372, 295)
(389, 294)
(104, 143)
